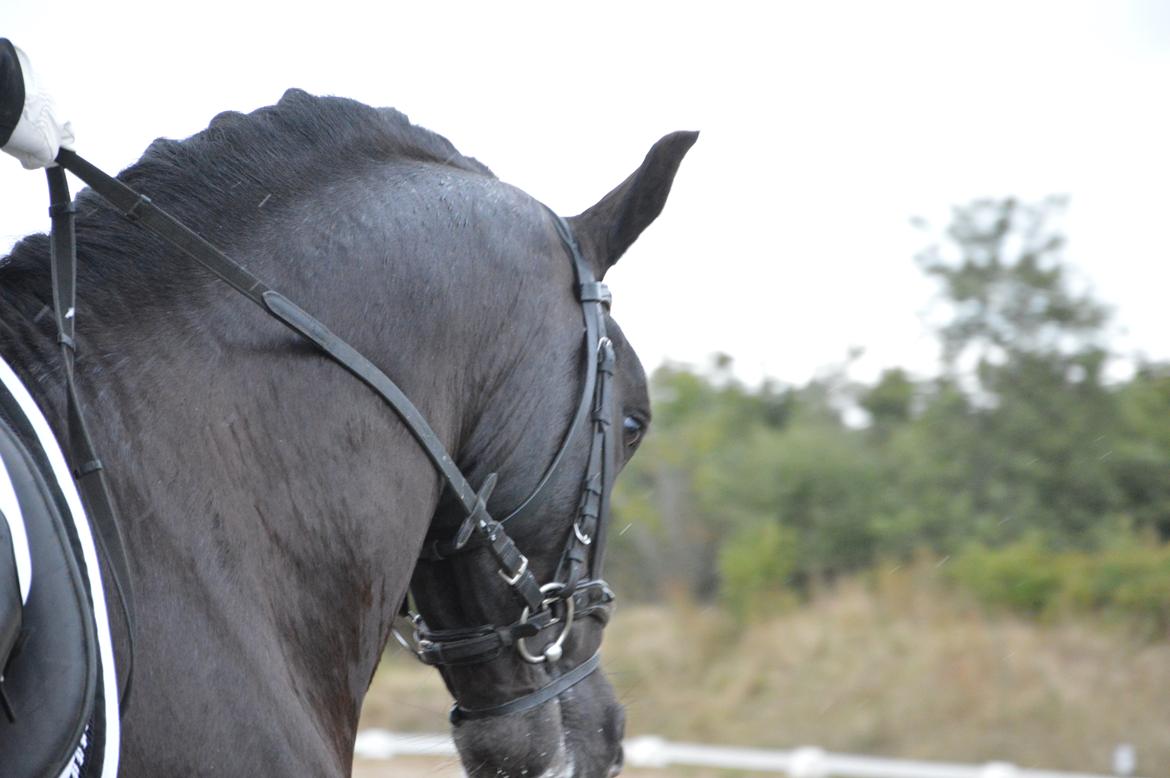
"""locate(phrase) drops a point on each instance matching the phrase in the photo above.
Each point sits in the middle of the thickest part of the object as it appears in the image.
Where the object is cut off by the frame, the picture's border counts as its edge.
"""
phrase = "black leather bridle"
(576, 590)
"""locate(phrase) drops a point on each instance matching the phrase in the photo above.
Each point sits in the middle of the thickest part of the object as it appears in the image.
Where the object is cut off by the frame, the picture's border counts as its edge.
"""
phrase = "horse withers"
(275, 510)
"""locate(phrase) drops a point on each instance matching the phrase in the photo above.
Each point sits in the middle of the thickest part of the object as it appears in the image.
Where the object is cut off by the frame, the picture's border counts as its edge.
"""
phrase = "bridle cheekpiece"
(577, 589)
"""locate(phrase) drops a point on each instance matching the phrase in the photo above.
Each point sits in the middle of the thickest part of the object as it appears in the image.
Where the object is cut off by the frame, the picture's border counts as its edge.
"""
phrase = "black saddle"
(51, 674)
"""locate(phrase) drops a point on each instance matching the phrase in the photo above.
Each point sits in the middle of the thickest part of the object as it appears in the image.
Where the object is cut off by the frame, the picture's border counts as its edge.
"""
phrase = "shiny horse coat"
(273, 507)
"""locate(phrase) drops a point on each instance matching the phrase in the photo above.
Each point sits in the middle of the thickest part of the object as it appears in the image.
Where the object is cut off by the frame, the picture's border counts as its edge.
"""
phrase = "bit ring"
(554, 650)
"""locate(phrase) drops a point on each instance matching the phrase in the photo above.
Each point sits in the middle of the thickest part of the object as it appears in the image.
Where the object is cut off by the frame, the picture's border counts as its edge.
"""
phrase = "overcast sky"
(825, 128)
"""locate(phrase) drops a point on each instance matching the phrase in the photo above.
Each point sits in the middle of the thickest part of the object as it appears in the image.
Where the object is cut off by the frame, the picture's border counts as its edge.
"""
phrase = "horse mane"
(215, 180)
(303, 137)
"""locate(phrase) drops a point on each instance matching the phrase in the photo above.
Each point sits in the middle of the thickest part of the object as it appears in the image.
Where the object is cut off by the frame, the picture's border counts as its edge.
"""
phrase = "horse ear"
(608, 228)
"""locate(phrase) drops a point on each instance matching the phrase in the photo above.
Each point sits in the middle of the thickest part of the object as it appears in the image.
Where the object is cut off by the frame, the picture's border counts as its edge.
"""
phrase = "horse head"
(561, 426)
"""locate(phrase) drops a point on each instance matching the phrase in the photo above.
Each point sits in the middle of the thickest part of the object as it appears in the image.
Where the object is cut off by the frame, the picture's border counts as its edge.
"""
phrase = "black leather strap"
(352, 360)
(529, 701)
(140, 210)
(466, 647)
(485, 643)
(589, 291)
(607, 440)
(88, 472)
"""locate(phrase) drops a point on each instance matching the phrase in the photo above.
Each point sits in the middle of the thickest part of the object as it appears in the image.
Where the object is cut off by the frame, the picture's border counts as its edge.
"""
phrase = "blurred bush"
(1129, 582)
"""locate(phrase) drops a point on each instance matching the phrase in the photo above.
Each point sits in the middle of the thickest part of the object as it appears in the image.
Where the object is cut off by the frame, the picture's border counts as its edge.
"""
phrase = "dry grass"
(891, 666)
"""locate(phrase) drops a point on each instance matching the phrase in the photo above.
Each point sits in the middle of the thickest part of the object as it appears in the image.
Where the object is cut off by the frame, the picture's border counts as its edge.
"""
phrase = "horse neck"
(254, 477)
(445, 311)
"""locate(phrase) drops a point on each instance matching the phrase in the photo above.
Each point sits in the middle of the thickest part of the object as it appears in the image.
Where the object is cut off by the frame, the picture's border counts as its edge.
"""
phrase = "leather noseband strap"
(529, 701)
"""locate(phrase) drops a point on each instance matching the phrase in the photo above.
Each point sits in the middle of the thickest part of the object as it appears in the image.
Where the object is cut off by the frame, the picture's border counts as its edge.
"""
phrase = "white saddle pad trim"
(10, 510)
(80, 522)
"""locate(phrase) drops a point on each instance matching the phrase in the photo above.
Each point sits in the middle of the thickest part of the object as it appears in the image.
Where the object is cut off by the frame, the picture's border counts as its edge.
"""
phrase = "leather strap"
(466, 647)
(87, 467)
(593, 295)
(532, 700)
(485, 643)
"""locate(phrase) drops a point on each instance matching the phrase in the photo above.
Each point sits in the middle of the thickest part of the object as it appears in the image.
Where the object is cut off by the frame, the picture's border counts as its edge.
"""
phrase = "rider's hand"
(41, 131)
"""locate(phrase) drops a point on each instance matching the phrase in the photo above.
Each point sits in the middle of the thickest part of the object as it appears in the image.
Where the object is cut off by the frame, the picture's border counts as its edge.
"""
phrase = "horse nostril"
(616, 767)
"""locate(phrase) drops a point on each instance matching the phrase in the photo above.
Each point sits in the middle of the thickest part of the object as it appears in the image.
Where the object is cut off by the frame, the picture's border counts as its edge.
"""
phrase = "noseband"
(576, 590)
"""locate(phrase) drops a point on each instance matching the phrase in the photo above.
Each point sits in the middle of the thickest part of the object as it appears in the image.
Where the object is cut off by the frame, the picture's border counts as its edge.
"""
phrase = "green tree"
(1140, 458)
(1003, 277)
(673, 508)
(1029, 352)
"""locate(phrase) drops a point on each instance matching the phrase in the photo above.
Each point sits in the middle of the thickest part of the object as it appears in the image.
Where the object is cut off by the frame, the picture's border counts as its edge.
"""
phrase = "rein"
(583, 555)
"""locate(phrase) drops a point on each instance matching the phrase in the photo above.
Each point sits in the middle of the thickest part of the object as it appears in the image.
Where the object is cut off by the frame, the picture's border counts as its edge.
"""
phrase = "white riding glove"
(39, 134)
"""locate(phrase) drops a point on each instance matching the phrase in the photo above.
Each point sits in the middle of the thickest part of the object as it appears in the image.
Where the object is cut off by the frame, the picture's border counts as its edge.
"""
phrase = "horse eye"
(632, 429)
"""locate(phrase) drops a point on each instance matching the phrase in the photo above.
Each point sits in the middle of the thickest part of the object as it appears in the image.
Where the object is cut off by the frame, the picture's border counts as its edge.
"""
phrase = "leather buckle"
(515, 579)
(132, 213)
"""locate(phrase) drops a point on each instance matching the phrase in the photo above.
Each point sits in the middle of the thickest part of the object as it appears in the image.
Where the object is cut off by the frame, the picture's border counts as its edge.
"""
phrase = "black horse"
(273, 508)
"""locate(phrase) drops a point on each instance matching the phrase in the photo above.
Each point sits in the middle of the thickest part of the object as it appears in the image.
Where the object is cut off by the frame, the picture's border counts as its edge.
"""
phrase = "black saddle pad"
(51, 678)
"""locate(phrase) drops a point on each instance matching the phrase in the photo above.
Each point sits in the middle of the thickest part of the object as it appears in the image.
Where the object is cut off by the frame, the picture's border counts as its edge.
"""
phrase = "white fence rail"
(648, 751)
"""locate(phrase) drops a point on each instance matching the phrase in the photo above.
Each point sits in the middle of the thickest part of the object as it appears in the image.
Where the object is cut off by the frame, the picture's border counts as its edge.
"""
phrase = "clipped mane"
(215, 180)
